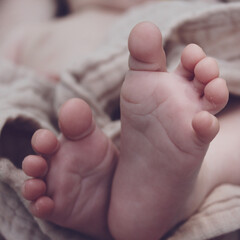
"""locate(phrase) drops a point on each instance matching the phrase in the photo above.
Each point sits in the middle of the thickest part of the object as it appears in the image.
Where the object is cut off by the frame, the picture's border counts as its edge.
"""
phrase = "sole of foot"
(167, 124)
(72, 175)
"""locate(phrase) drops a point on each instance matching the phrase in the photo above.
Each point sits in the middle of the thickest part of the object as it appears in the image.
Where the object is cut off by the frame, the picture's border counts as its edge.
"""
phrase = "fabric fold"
(29, 102)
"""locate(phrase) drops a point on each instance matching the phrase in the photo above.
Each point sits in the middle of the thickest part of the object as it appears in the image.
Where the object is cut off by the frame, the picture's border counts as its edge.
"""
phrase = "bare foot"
(167, 125)
(72, 176)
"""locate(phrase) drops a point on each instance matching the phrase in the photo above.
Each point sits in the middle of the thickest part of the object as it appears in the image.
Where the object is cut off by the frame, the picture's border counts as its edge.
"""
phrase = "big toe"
(75, 119)
(145, 47)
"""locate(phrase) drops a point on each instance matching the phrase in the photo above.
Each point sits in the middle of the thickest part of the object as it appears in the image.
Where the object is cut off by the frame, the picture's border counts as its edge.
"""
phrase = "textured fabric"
(29, 102)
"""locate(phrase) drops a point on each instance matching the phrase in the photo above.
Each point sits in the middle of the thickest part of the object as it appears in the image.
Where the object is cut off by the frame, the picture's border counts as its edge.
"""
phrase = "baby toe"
(42, 207)
(34, 166)
(216, 95)
(191, 55)
(33, 189)
(205, 71)
(75, 119)
(206, 126)
(145, 47)
(44, 142)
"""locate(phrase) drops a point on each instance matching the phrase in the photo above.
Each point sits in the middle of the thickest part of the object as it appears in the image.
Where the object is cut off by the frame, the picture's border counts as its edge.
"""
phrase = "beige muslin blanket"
(28, 102)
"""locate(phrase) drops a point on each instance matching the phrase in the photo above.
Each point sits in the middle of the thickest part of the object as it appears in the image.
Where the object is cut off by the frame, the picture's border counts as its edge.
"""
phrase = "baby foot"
(167, 125)
(72, 176)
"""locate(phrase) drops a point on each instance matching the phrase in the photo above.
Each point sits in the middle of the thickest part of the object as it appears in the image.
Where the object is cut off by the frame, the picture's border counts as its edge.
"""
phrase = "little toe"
(42, 207)
(33, 189)
(75, 119)
(191, 55)
(35, 166)
(205, 71)
(216, 95)
(44, 142)
(206, 126)
(145, 47)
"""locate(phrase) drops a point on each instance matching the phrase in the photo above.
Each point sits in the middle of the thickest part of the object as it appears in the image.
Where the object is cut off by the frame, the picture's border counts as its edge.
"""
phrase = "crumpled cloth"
(29, 102)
